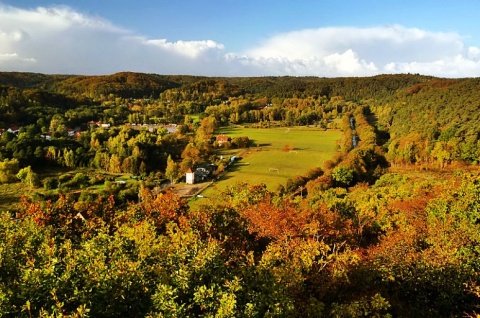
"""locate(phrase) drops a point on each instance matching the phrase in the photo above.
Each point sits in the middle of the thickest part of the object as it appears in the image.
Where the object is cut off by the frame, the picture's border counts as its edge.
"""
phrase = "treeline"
(359, 160)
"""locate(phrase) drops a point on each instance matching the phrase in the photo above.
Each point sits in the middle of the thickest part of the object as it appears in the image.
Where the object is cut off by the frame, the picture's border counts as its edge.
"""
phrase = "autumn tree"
(205, 132)
(172, 170)
(192, 152)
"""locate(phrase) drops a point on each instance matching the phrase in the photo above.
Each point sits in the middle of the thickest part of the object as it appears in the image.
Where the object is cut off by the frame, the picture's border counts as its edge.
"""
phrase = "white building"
(190, 177)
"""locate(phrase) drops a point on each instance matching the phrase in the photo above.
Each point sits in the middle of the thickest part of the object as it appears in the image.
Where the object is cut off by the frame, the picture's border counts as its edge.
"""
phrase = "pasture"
(276, 155)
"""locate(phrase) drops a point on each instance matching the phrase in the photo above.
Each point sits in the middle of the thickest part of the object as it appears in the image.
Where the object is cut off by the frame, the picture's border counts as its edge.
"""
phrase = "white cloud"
(14, 58)
(349, 51)
(348, 62)
(61, 40)
(191, 49)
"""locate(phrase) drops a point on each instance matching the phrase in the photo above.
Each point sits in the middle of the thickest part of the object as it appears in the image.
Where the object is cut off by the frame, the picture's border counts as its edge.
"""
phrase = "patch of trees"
(116, 150)
(369, 251)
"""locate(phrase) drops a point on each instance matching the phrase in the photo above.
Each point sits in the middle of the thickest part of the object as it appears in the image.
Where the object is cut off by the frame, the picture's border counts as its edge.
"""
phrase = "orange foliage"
(161, 208)
(287, 220)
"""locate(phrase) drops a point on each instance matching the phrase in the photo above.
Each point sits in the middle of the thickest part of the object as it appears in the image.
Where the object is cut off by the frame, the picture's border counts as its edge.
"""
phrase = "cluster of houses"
(70, 133)
(98, 124)
(171, 128)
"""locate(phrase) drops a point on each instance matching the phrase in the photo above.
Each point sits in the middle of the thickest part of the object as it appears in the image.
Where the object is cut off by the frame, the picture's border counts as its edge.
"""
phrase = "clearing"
(276, 155)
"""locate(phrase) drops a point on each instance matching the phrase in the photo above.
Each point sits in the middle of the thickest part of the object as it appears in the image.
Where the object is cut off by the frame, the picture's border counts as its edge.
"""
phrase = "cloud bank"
(61, 40)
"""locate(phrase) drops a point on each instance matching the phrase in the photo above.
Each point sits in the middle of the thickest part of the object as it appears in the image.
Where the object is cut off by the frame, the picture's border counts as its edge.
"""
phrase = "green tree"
(441, 153)
(8, 170)
(342, 175)
(69, 158)
(192, 152)
(26, 175)
(56, 122)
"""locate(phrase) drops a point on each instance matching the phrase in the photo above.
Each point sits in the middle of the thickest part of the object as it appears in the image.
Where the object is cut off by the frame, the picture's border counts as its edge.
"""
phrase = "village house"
(99, 124)
(171, 128)
(46, 136)
(200, 174)
(13, 129)
(222, 139)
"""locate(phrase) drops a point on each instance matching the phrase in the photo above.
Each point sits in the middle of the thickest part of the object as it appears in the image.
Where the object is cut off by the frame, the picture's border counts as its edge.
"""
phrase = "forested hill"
(129, 84)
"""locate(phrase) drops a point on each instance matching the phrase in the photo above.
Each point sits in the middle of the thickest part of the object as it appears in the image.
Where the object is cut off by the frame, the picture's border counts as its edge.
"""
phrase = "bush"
(127, 195)
(65, 177)
(98, 179)
(88, 196)
(80, 179)
(50, 183)
(240, 142)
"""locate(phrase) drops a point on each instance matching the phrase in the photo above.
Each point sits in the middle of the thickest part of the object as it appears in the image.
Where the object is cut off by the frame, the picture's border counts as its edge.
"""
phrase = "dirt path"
(189, 190)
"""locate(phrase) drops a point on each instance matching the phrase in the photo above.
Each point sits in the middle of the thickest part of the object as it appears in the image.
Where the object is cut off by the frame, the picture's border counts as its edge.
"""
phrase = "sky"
(325, 38)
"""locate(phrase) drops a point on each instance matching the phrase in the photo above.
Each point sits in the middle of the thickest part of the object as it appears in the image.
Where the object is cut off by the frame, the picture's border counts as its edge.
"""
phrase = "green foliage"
(377, 306)
(241, 142)
(172, 170)
(8, 170)
(50, 183)
(342, 175)
(27, 176)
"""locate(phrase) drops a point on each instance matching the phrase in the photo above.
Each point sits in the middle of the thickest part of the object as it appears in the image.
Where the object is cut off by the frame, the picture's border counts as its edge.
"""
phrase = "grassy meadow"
(266, 161)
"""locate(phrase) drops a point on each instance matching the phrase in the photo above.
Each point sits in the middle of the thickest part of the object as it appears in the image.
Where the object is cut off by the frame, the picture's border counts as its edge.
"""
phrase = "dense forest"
(388, 227)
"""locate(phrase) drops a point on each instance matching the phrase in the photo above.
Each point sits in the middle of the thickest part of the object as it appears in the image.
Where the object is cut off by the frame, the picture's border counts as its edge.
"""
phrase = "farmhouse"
(99, 124)
(222, 139)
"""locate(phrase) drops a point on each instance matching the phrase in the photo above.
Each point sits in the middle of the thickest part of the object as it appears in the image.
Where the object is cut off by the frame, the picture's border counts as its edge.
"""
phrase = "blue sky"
(241, 38)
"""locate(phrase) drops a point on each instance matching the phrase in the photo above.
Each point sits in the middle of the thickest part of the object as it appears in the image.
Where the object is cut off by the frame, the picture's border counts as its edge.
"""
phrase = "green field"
(267, 161)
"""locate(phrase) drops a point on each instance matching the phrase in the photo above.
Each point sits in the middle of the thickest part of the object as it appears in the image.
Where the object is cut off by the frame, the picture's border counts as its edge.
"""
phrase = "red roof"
(222, 138)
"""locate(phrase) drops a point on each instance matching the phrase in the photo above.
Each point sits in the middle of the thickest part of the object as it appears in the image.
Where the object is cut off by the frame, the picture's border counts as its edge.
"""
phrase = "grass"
(10, 195)
(267, 161)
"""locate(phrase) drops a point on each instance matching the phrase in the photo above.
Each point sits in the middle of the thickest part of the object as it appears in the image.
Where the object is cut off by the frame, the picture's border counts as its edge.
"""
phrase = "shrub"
(50, 183)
